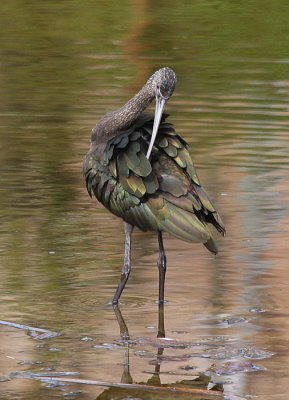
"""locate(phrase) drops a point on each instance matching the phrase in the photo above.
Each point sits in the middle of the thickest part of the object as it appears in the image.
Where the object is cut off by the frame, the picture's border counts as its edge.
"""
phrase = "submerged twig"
(134, 386)
(36, 333)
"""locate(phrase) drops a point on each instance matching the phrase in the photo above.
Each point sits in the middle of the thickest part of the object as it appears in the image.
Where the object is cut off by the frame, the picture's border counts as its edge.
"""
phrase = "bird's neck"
(114, 122)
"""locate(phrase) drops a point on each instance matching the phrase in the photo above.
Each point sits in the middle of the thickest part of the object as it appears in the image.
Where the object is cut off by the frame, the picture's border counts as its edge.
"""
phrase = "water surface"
(63, 65)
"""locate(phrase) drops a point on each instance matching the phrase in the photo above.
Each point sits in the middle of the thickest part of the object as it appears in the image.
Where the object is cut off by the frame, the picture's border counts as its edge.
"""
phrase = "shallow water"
(63, 65)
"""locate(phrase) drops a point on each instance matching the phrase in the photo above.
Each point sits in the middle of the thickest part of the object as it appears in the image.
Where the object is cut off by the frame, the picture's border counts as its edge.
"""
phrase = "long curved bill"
(160, 103)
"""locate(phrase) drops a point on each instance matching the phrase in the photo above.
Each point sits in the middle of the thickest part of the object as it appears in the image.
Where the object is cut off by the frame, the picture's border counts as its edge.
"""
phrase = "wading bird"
(140, 169)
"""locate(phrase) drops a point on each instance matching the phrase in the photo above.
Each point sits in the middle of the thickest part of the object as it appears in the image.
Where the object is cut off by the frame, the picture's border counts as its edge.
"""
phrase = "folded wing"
(163, 193)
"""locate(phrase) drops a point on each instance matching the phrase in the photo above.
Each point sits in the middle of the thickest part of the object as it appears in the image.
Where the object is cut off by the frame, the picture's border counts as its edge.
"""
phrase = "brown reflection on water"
(136, 49)
(275, 283)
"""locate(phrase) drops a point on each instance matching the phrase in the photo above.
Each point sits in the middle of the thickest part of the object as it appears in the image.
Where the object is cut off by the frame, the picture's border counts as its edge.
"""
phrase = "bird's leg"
(161, 323)
(162, 266)
(155, 379)
(121, 323)
(126, 264)
(126, 376)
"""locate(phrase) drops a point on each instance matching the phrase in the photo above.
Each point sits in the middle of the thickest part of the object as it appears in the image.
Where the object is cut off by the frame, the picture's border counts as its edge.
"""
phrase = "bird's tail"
(184, 225)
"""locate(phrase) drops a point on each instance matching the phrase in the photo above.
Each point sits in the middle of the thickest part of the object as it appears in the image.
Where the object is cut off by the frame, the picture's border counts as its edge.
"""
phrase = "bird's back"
(162, 193)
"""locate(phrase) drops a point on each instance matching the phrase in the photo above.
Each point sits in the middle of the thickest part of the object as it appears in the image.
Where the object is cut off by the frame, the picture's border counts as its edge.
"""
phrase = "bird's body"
(152, 186)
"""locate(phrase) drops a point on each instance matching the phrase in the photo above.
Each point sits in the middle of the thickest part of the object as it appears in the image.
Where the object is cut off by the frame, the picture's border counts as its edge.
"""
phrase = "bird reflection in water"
(153, 389)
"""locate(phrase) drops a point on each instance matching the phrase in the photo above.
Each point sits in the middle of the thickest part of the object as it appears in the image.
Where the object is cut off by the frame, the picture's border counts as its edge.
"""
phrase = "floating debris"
(53, 384)
(257, 310)
(234, 367)
(108, 346)
(35, 333)
(87, 339)
(223, 352)
(73, 394)
(188, 367)
(254, 353)
(46, 335)
(233, 397)
(144, 353)
(164, 343)
(37, 362)
(233, 320)
(32, 375)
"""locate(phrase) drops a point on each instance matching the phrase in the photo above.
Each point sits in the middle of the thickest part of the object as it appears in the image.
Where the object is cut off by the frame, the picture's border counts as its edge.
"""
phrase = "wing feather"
(163, 193)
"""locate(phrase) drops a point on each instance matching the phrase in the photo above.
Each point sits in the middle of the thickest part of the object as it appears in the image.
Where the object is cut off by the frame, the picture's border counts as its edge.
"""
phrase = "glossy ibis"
(140, 169)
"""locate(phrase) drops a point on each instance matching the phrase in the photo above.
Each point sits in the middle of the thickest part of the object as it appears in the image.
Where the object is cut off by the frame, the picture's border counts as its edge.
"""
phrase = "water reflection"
(65, 64)
(196, 388)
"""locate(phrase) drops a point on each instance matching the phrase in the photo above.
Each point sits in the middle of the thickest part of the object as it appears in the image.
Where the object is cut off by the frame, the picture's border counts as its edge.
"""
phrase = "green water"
(62, 66)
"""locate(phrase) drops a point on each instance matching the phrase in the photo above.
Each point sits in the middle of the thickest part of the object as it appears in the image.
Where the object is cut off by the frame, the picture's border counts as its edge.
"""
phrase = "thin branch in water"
(35, 333)
(131, 386)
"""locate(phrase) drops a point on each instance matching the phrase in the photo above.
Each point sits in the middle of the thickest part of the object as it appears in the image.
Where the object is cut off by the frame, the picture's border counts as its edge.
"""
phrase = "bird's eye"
(164, 92)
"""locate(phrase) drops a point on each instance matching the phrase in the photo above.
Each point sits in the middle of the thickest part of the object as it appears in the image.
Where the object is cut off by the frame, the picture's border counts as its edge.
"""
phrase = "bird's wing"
(120, 176)
(180, 183)
(161, 193)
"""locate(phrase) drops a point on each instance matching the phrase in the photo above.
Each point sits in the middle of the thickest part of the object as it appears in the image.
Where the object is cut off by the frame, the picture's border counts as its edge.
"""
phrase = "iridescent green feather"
(163, 193)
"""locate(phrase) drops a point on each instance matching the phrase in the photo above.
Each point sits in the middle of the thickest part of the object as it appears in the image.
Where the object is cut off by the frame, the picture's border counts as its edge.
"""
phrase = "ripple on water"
(249, 131)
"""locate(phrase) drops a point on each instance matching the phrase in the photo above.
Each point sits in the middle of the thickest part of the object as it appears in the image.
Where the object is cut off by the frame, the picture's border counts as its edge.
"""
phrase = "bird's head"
(162, 83)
